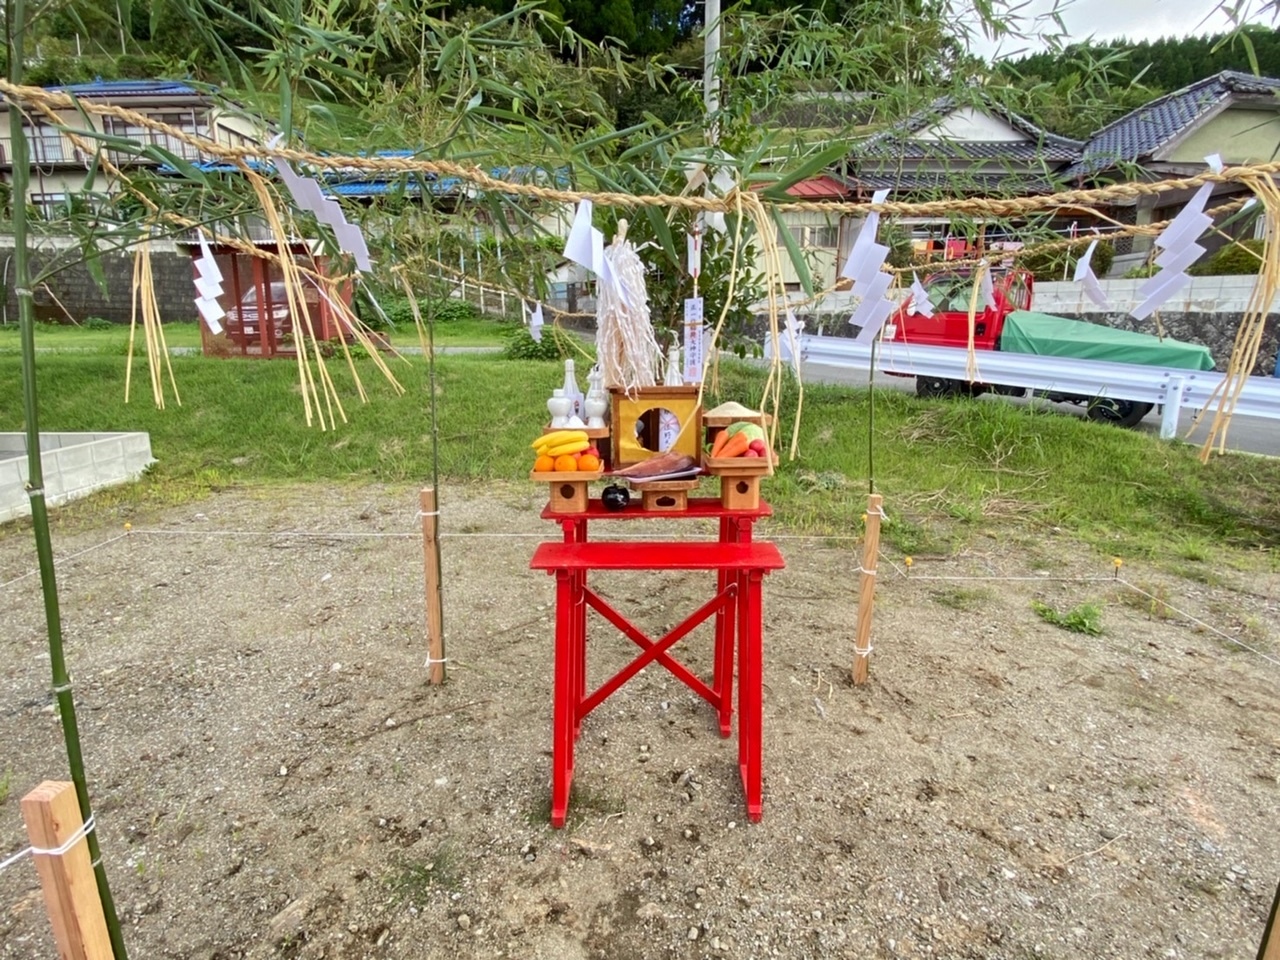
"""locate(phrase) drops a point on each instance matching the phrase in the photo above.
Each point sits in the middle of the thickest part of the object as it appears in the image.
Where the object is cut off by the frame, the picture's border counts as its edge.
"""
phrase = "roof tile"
(1141, 132)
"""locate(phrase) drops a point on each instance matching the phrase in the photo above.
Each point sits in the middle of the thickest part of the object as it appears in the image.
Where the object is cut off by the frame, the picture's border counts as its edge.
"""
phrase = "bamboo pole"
(52, 815)
(431, 575)
(867, 589)
(15, 35)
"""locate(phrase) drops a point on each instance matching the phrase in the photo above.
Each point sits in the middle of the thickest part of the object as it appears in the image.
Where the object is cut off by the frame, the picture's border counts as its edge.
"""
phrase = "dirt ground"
(273, 777)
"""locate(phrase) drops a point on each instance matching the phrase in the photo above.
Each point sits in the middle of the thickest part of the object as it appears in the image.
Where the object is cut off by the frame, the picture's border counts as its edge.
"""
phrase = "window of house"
(52, 206)
(190, 122)
(814, 236)
(117, 127)
(45, 143)
(824, 236)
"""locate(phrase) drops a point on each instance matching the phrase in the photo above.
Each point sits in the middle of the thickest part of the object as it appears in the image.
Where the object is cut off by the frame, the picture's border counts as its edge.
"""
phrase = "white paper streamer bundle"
(1085, 275)
(628, 351)
(869, 281)
(920, 302)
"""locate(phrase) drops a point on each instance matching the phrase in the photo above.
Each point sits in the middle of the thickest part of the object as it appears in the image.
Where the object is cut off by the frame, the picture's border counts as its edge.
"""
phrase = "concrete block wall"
(74, 465)
(80, 294)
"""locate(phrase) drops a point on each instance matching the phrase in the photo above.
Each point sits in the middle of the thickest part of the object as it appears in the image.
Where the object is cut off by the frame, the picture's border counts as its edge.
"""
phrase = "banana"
(556, 438)
(573, 446)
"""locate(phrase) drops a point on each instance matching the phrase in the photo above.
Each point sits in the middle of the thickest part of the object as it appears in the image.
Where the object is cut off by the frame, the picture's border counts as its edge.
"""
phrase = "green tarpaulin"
(1039, 333)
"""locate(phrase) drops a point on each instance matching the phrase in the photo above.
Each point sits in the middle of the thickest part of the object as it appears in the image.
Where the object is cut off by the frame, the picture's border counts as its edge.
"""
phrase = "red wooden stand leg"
(751, 692)
(564, 709)
(577, 533)
(722, 676)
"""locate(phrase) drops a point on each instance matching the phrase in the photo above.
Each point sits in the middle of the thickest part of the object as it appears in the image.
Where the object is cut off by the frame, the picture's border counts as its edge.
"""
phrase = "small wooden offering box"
(670, 496)
(739, 479)
(568, 490)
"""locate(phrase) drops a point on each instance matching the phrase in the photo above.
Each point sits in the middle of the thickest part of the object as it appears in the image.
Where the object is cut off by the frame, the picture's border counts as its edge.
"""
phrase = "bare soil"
(273, 777)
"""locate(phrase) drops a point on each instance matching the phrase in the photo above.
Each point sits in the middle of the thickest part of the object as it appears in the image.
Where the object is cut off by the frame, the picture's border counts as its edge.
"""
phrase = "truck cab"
(950, 293)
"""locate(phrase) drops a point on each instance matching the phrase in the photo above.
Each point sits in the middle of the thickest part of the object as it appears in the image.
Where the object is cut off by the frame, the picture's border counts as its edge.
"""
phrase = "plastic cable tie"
(433, 513)
(84, 830)
(95, 864)
(863, 653)
(869, 573)
(24, 291)
(35, 491)
(430, 661)
(63, 688)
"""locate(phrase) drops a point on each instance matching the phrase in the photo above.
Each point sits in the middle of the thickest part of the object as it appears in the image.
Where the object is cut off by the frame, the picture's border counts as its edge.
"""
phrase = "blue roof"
(1139, 134)
(128, 88)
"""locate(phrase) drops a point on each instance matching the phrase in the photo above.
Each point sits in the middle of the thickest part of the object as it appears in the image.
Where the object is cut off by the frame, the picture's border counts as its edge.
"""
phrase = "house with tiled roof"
(955, 148)
(1234, 115)
(58, 165)
(973, 147)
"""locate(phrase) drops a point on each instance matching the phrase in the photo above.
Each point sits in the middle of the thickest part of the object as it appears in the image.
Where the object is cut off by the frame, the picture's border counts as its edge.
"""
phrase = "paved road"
(1247, 434)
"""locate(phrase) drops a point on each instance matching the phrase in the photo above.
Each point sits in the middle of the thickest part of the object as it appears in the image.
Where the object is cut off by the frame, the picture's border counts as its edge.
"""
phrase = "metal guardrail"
(1172, 388)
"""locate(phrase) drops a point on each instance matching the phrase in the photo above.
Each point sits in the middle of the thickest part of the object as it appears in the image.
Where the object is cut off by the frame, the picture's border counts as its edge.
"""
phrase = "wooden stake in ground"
(431, 574)
(1269, 949)
(867, 589)
(52, 815)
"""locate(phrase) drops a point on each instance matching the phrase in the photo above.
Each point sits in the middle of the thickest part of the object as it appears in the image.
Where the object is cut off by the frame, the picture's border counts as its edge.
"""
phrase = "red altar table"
(740, 565)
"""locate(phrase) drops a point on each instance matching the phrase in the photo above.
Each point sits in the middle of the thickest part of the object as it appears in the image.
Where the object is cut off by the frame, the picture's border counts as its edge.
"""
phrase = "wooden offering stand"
(568, 489)
(739, 476)
(739, 479)
(658, 496)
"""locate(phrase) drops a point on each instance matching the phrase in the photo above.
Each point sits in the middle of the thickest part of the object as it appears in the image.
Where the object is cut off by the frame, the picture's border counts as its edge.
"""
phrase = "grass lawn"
(951, 472)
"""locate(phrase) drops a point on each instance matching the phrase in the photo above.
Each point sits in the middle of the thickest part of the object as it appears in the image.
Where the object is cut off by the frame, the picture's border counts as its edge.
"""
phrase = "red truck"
(1010, 325)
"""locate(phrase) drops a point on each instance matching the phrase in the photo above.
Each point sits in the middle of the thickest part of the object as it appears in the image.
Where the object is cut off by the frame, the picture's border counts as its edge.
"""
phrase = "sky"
(1135, 19)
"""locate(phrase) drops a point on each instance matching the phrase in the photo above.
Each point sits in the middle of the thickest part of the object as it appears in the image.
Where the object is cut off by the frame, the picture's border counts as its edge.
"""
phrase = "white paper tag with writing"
(693, 340)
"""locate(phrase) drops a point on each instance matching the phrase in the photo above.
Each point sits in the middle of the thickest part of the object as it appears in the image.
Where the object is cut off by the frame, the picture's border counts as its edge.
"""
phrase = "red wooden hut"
(259, 321)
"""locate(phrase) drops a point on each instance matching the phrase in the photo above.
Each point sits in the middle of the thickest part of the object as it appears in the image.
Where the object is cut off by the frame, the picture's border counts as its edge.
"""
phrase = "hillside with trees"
(1166, 64)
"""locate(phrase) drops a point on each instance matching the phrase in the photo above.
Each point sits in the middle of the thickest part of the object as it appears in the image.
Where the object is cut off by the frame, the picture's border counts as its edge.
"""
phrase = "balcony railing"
(155, 138)
(47, 147)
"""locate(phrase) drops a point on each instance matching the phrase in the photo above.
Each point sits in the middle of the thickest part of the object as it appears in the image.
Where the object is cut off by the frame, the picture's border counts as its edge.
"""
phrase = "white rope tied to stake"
(81, 832)
(628, 350)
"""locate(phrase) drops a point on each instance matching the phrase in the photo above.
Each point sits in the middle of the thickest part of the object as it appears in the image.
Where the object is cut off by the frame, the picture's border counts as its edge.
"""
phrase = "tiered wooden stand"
(739, 479)
(665, 495)
(568, 489)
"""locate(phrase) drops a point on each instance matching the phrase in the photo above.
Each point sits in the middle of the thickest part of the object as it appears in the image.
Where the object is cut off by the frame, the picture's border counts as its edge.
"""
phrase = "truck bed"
(1039, 333)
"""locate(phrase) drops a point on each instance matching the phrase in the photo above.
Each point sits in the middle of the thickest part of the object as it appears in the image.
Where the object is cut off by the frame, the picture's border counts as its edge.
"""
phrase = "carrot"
(737, 445)
(718, 444)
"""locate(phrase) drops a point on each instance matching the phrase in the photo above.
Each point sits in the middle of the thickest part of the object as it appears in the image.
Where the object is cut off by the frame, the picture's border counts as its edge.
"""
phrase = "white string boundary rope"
(902, 574)
(81, 832)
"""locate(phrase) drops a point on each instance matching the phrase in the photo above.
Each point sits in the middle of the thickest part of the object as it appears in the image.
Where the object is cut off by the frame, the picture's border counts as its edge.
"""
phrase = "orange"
(566, 463)
(588, 462)
(544, 464)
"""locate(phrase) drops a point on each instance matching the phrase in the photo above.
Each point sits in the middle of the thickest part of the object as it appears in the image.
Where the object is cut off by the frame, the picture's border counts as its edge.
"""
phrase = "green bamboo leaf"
(180, 164)
(793, 249)
(663, 231)
(447, 53)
